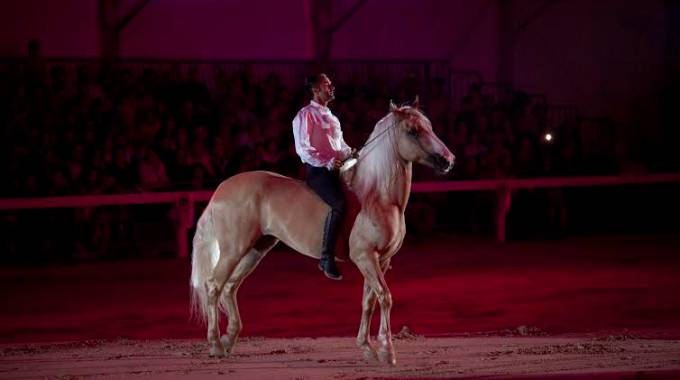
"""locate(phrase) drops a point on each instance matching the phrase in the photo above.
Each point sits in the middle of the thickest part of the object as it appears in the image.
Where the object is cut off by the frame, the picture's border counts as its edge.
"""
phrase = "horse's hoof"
(227, 343)
(217, 351)
(387, 357)
(369, 354)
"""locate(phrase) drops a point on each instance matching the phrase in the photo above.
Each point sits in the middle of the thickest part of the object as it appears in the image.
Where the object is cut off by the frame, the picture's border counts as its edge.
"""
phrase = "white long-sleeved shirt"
(318, 137)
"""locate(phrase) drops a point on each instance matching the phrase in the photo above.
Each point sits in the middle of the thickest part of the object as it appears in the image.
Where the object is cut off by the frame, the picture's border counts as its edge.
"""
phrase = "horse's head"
(417, 142)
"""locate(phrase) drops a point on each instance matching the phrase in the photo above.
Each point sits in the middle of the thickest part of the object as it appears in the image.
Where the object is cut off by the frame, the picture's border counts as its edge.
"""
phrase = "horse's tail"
(204, 258)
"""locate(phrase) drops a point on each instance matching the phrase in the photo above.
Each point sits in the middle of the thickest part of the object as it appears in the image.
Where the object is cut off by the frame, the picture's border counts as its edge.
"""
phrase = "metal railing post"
(504, 195)
(185, 216)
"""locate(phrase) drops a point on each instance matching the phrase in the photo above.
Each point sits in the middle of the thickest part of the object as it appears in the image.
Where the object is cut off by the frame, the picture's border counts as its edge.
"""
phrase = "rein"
(355, 158)
(378, 135)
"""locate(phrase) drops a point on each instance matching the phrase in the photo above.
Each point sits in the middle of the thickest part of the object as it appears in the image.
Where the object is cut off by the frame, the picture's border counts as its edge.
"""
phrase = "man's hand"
(352, 154)
(337, 164)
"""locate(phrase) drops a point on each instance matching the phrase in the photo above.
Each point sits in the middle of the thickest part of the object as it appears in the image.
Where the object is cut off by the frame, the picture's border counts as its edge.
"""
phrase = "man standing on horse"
(321, 147)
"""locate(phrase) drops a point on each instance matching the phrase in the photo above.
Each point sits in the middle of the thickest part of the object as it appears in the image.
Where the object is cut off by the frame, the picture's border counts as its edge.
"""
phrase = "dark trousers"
(327, 185)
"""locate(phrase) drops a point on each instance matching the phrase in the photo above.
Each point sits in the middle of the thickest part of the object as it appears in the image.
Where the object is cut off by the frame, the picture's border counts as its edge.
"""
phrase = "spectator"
(152, 174)
(86, 116)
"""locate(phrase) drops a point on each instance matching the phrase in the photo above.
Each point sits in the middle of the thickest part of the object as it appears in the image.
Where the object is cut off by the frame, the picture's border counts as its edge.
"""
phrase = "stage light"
(548, 137)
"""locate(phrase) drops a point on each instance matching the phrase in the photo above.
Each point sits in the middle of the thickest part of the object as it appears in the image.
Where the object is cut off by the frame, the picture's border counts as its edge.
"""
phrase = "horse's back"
(280, 206)
(256, 185)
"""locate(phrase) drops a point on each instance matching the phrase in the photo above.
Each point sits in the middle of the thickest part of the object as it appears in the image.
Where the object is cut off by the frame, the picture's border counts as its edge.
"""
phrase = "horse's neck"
(402, 189)
(381, 177)
(395, 191)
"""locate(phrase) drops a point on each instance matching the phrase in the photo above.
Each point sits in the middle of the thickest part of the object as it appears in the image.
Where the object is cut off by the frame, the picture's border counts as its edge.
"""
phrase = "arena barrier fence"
(184, 201)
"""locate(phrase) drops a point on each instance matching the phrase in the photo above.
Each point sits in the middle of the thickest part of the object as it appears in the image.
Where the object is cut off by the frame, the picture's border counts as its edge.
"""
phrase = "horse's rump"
(276, 205)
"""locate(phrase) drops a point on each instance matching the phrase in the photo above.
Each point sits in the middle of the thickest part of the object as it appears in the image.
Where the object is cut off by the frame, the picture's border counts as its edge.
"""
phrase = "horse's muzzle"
(441, 163)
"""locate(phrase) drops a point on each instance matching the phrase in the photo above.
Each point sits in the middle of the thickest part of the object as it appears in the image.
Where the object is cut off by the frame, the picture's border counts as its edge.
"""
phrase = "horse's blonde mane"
(379, 164)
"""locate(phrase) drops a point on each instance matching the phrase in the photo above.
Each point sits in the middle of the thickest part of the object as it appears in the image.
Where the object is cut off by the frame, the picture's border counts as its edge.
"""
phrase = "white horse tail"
(204, 258)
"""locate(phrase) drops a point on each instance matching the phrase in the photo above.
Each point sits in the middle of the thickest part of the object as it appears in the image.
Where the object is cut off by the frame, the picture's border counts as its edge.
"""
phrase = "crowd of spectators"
(91, 128)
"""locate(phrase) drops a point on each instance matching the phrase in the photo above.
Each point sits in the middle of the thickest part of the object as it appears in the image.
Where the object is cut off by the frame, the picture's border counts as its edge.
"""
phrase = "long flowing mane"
(379, 163)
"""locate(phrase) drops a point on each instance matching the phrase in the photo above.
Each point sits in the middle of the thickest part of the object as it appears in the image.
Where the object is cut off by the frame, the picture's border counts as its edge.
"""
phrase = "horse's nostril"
(441, 162)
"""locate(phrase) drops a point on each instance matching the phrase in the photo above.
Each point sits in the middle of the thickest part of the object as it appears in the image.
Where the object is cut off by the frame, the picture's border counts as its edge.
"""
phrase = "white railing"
(184, 200)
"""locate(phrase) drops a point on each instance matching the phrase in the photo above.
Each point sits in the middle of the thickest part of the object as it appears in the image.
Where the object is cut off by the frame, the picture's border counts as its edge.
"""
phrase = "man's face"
(324, 91)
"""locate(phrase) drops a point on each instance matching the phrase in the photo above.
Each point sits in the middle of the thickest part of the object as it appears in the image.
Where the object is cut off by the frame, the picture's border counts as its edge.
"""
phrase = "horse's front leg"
(369, 266)
(367, 309)
(364, 335)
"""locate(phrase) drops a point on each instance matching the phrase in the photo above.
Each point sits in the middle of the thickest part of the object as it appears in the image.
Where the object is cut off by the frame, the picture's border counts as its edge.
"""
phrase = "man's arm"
(347, 151)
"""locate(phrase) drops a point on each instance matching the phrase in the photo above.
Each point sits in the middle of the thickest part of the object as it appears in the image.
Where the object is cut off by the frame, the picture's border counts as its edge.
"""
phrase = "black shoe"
(329, 269)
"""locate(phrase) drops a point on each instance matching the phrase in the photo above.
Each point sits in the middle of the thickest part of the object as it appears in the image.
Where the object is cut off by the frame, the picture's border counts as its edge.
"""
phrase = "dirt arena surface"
(338, 358)
(604, 308)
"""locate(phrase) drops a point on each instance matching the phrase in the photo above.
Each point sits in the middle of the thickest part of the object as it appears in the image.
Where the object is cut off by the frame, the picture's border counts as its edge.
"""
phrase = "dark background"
(110, 97)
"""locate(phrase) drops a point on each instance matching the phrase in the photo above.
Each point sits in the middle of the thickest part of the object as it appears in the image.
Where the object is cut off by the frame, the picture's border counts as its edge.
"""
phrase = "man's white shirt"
(318, 136)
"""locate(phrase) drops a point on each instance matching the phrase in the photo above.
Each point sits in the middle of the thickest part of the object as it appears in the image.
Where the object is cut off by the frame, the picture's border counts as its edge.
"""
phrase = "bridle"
(354, 159)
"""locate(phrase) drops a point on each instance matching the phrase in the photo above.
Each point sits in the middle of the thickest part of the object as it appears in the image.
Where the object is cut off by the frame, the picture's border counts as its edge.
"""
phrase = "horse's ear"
(416, 103)
(393, 107)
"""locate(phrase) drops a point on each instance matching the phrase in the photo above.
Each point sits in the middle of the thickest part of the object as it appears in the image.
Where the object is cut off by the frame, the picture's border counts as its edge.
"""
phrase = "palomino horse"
(250, 212)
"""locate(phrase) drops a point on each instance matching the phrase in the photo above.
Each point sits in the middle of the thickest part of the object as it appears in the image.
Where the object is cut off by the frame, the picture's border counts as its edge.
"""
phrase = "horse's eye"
(413, 132)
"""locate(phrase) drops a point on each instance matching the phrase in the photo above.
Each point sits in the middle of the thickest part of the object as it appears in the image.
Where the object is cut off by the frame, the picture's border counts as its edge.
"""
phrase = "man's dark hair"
(313, 81)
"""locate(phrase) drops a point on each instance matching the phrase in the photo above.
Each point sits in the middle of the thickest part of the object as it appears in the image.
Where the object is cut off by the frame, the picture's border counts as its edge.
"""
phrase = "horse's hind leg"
(225, 266)
(245, 266)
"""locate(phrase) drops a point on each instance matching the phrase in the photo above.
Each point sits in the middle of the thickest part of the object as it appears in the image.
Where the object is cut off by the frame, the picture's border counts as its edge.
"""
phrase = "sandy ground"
(604, 308)
(337, 358)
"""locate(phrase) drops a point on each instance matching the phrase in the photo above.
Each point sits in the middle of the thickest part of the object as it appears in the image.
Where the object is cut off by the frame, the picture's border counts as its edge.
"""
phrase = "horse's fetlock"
(234, 328)
(213, 338)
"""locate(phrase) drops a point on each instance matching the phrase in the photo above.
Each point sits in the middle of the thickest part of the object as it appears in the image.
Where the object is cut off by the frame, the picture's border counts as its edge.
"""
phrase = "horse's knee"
(385, 299)
(230, 288)
(366, 304)
(213, 292)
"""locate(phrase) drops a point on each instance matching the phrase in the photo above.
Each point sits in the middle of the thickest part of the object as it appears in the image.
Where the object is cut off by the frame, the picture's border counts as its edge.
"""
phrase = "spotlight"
(548, 137)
